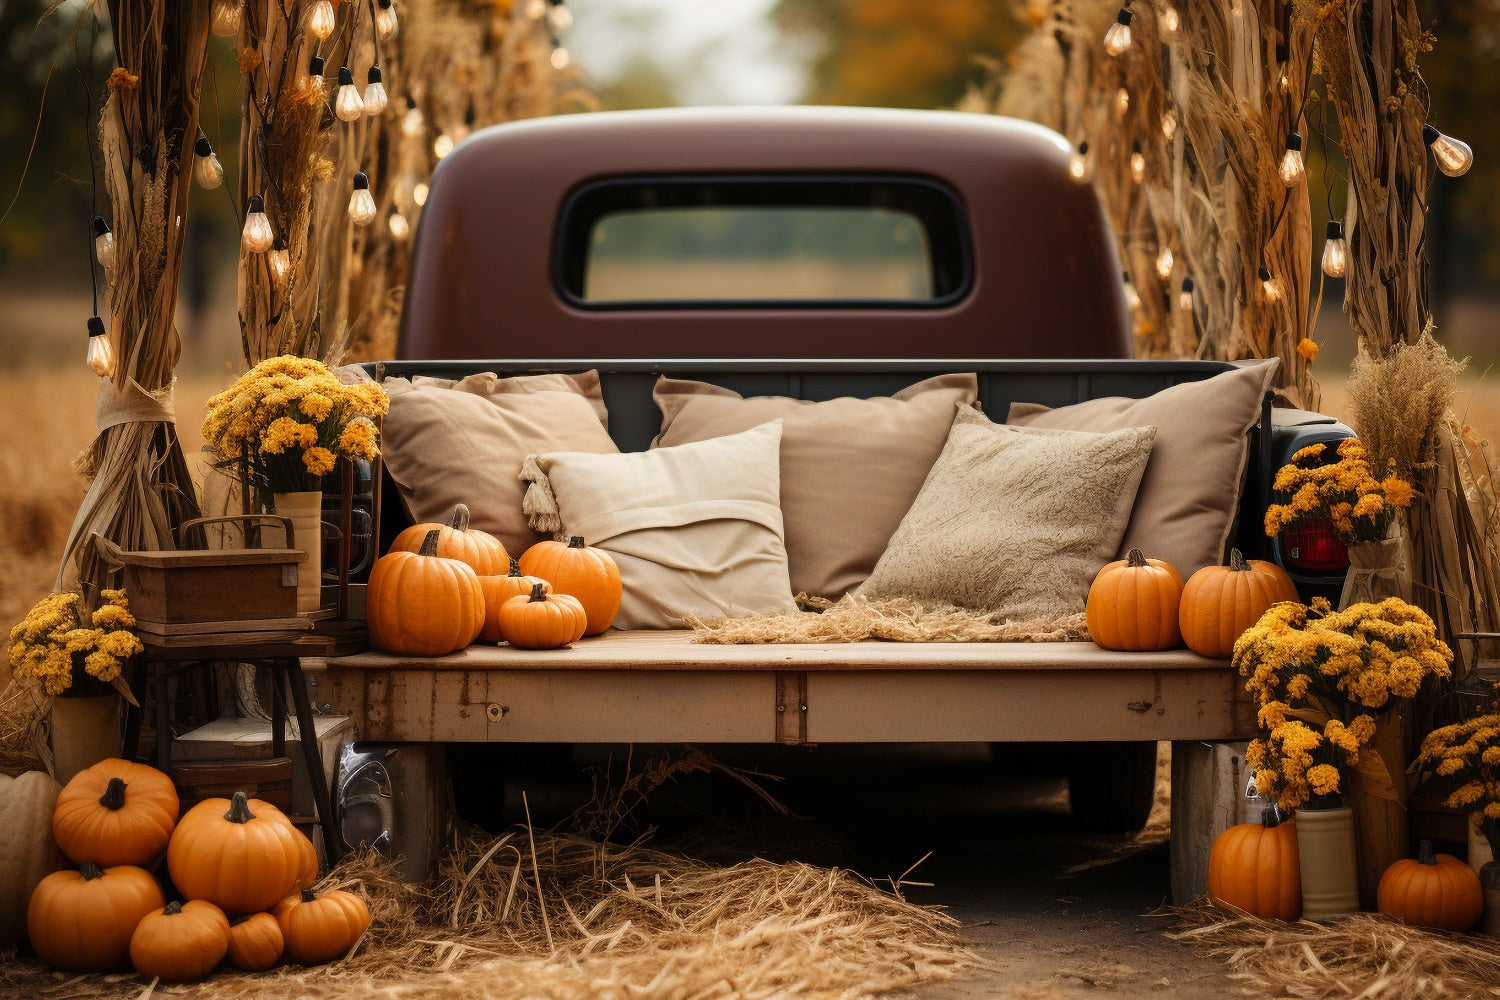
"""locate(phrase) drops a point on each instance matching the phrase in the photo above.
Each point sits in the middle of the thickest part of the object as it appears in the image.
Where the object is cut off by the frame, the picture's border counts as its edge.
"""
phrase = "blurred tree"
(897, 53)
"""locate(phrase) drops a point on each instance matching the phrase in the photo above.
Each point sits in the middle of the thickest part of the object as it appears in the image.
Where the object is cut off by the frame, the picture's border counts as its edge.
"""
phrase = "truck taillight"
(1314, 545)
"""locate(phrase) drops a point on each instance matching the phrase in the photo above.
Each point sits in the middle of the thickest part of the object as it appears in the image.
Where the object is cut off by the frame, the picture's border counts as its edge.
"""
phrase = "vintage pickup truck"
(812, 253)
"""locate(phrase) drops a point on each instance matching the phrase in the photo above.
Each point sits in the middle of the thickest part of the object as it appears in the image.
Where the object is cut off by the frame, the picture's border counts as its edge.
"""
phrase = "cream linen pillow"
(696, 529)
(463, 442)
(1189, 498)
(1014, 521)
(850, 467)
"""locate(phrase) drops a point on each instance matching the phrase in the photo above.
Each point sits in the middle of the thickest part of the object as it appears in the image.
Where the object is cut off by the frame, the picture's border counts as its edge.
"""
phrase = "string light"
(1170, 20)
(280, 260)
(314, 79)
(347, 103)
(1335, 250)
(104, 243)
(1454, 157)
(560, 55)
(386, 23)
(442, 145)
(1132, 297)
(1292, 167)
(1169, 122)
(412, 122)
(1122, 101)
(1269, 286)
(1117, 38)
(101, 356)
(1164, 263)
(207, 170)
(536, 9)
(399, 227)
(375, 99)
(257, 236)
(1283, 82)
(1081, 167)
(361, 202)
(1137, 165)
(321, 20)
(225, 18)
(419, 193)
(1185, 296)
(560, 17)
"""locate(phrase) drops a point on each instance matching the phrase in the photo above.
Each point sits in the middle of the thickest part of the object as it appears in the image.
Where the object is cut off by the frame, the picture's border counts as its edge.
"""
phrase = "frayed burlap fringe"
(554, 915)
(1364, 955)
(855, 619)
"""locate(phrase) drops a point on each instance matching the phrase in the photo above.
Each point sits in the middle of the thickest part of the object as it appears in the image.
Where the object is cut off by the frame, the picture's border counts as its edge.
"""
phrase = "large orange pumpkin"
(1220, 602)
(180, 941)
(255, 942)
(320, 928)
(1132, 604)
(239, 854)
(1253, 866)
(498, 590)
(115, 813)
(422, 603)
(1435, 890)
(82, 921)
(577, 568)
(541, 620)
(483, 552)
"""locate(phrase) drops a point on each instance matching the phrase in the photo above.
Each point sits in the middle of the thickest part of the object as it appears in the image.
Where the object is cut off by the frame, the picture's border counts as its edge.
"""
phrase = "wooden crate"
(267, 778)
(249, 741)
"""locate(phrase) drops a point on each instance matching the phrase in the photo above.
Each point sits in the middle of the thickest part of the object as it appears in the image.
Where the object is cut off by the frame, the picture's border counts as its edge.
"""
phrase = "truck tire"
(1111, 785)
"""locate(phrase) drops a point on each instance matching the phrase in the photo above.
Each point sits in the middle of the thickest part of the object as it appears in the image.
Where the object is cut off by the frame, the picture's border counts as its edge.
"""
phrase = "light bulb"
(560, 16)
(1122, 101)
(1164, 263)
(1170, 20)
(226, 18)
(560, 56)
(101, 356)
(1117, 38)
(1269, 286)
(1132, 297)
(257, 236)
(1185, 296)
(280, 261)
(399, 227)
(419, 193)
(1292, 167)
(442, 145)
(1335, 251)
(207, 170)
(386, 23)
(375, 98)
(104, 243)
(320, 20)
(1081, 168)
(1138, 166)
(412, 122)
(361, 202)
(536, 9)
(314, 79)
(1454, 157)
(1169, 123)
(347, 103)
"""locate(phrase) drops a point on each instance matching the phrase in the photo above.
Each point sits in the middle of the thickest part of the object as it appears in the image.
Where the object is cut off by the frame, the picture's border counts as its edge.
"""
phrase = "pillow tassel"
(539, 504)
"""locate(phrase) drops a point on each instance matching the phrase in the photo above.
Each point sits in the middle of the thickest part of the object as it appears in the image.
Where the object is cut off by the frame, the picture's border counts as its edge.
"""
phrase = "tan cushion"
(1014, 521)
(696, 529)
(850, 468)
(464, 442)
(1189, 498)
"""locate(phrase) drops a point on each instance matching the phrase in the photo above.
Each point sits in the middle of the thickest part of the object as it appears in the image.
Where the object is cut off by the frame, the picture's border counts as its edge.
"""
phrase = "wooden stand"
(1208, 797)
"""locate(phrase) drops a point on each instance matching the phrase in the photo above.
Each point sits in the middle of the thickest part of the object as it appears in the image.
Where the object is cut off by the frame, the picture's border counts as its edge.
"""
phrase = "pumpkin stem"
(515, 566)
(1271, 817)
(114, 795)
(90, 871)
(429, 544)
(576, 542)
(460, 519)
(239, 809)
(1136, 558)
(1237, 561)
(537, 592)
(307, 896)
(1425, 854)
(173, 908)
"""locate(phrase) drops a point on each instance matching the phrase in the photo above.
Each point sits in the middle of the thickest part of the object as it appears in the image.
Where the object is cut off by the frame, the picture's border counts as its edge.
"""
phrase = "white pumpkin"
(27, 851)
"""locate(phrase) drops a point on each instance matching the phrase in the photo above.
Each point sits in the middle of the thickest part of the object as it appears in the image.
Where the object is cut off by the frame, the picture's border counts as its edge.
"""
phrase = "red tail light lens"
(1314, 545)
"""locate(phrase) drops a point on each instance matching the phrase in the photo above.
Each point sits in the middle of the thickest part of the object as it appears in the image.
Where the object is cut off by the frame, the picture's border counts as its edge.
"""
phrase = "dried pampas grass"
(23, 715)
(855, 619)
(1398, 402)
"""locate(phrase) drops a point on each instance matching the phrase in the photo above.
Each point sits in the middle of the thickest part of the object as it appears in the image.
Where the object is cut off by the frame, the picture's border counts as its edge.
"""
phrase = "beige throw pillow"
(463, 442)
(1014, 521)
(850, 468)
(1189, 498)
(696, 529)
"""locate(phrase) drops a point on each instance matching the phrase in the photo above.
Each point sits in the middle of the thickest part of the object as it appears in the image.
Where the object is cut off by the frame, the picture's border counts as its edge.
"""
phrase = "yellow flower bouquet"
(286, 422)
(1470, 751)
(61, 643)
(1345, 493)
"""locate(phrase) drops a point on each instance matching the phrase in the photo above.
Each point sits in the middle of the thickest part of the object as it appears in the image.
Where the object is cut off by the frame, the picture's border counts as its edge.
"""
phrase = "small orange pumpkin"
(240, 854)
(1253, 866)
(1435, 890)
(255, 942)
(422, 603)
(82, 921)
(181, 941)
(115, 813)
(498, 590)
(321, 928)
(540, 620)
(577, 568)
(1132, 604)
(1220, 602)
(484, 553)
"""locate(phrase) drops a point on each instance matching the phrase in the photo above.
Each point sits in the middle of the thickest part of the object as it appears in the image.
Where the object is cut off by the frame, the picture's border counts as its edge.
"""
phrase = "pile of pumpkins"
(243, 870)
(1138, 603)
(444, 586)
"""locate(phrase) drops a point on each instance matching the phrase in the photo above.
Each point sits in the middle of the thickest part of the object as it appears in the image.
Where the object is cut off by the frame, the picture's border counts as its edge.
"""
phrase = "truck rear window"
(762, 242)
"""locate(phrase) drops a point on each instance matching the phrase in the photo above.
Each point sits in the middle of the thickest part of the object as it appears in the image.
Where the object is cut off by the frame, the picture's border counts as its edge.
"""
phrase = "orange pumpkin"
(255, 942)
(1253, 866)
(1132, 604)
(115, 813)
(541, 620)
(1435, 890)
(82, 921)
(1220, 602)
(577, 568)
(483, 552)
(321, 928)
(498, 590)
(240, 854)
(422, 603)
(180, 941)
